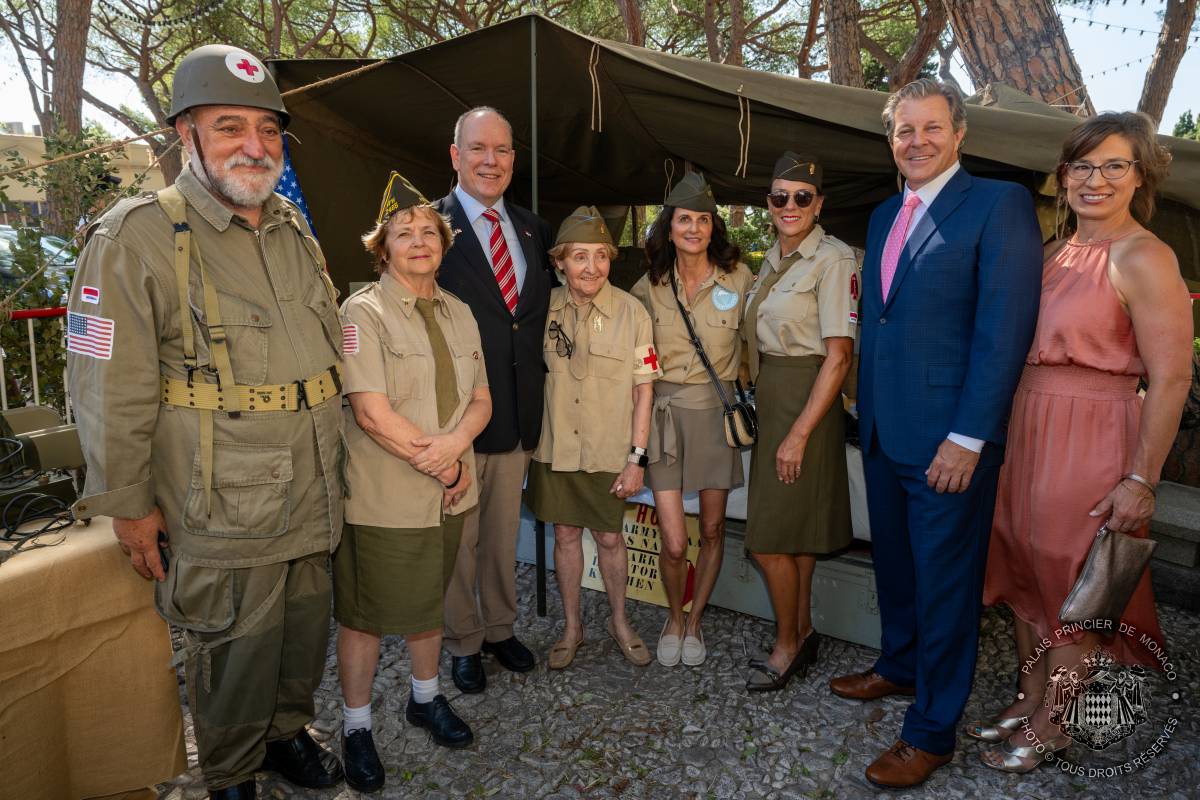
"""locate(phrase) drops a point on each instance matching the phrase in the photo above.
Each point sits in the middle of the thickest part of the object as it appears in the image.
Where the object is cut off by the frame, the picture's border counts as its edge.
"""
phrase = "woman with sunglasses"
(1084, 450)
(591, 456)
(800, 325)
(693, 267)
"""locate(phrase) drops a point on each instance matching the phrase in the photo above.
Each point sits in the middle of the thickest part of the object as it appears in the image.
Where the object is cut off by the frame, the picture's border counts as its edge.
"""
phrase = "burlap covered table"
(89, 704)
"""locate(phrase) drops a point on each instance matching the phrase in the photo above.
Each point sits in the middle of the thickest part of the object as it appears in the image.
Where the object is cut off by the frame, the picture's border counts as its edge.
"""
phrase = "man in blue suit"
(951, 283)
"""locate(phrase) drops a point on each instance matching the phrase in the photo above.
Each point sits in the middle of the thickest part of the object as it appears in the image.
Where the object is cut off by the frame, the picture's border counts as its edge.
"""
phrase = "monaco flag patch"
(89, 294)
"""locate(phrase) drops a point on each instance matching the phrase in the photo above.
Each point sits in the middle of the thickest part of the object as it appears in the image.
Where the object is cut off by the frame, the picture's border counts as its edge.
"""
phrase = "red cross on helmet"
(222, 75)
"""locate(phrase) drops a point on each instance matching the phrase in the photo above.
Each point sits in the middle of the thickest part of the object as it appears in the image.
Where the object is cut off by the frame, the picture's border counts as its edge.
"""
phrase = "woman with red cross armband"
(693, 270)
(591, 457)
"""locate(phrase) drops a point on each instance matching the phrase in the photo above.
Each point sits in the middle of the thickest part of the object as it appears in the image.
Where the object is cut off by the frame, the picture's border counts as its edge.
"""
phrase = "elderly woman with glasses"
(1084, 450)
(801, 320)
(599, 353)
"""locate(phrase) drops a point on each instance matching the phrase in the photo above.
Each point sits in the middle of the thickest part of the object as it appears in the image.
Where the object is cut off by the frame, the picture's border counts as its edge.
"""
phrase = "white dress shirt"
(483, 231)
(928, 193)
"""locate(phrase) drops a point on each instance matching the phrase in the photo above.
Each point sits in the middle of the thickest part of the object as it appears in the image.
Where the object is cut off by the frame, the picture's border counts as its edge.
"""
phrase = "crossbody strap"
(712, 373)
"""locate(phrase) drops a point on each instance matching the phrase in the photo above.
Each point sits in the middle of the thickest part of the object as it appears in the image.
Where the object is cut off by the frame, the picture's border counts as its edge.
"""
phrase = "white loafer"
(669, 647)
(693, 651)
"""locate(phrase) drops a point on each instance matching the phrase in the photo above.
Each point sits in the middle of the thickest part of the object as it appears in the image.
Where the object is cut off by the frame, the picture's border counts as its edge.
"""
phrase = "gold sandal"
(563, 653)
(634, 650)
(995, 733)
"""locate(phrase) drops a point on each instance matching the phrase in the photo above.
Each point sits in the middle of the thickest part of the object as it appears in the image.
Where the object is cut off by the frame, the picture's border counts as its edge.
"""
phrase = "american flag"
(349, 339)
(89, 336)
(289, 186)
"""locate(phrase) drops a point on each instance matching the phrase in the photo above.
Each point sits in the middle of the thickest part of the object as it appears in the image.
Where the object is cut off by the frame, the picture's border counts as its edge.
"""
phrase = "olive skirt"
(703, 460)
(811, 515)
(581, 499)
(391, 580)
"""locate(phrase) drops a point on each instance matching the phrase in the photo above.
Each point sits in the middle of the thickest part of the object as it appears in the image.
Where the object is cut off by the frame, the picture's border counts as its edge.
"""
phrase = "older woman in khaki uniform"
(800, 326)
(692, 264)
(599, 351)
(418, 397)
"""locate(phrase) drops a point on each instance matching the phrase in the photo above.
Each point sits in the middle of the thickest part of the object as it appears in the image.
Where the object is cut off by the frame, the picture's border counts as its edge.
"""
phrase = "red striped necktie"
(502, 263)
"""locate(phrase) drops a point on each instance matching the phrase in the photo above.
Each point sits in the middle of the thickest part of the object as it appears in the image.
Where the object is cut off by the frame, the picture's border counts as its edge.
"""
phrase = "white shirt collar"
(473, 208)
(929, 192)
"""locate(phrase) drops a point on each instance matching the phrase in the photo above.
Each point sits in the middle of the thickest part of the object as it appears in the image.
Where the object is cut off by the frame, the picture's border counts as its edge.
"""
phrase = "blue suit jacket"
(945, 351)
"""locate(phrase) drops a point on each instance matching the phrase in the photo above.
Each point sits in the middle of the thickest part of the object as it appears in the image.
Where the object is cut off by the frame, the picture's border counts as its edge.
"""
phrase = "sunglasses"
(562, 343)
(803, 198)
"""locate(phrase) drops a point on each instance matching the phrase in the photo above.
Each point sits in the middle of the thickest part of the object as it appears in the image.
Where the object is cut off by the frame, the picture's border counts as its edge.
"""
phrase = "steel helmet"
(222, 75)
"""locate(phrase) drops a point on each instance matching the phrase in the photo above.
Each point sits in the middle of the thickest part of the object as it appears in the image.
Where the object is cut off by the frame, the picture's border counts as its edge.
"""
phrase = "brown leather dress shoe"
(903, 766)
(869, 685)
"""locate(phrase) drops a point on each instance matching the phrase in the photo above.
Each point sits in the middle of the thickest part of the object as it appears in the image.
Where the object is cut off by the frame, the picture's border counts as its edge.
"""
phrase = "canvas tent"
(607, 123)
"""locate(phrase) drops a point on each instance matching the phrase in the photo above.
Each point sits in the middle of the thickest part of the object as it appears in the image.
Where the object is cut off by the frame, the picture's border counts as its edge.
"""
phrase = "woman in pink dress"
(1083, 447)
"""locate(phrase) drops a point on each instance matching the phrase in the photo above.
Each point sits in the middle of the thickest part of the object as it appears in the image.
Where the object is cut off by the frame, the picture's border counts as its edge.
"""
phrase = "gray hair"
(919, 90)
(458, 124)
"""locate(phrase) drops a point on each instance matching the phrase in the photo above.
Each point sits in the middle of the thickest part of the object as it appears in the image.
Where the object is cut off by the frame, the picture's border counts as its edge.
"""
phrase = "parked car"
(57, 253)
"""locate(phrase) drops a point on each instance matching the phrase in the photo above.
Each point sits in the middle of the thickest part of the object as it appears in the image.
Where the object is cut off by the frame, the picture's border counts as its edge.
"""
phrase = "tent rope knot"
(597, 100)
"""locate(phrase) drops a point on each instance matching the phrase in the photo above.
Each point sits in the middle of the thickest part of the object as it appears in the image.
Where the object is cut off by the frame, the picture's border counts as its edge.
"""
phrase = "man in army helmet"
(204, 354)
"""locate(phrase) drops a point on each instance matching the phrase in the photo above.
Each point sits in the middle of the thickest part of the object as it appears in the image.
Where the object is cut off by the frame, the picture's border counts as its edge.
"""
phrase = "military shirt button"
(254, 317)
(576, 401)
(274, 473)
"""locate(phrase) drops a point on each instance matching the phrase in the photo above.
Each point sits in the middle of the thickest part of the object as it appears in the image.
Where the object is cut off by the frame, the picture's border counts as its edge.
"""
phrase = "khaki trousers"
(257, 687)
(481, 601)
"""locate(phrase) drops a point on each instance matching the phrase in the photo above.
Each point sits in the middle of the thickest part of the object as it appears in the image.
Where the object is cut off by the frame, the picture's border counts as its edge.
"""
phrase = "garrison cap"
(222, 75)
(793, 167)
(584, 226)
(399, 195)
(692, 193)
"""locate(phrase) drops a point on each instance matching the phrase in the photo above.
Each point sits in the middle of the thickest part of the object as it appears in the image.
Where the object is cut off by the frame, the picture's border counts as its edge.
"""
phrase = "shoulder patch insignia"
(349, 339)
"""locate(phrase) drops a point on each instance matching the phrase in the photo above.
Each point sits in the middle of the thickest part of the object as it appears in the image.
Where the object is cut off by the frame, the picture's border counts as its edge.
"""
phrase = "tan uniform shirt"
(390, 353)
(276, 483)
(588, 422)
(817, 298)
(716, 314)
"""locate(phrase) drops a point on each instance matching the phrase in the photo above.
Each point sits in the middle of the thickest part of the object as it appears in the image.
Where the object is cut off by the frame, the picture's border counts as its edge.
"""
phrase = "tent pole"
(533, 114)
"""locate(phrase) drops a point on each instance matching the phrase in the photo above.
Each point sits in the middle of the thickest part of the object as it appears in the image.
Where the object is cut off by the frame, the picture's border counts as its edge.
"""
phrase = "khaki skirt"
(581, 499)
(811, 515)
(391, 580)
(687, 445)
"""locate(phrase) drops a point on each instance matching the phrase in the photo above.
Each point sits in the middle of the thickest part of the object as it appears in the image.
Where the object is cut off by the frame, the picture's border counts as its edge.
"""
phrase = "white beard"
(242, 192)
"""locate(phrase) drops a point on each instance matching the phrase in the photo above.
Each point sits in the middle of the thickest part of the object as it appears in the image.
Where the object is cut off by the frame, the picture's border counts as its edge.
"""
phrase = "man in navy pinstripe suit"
(951, 283)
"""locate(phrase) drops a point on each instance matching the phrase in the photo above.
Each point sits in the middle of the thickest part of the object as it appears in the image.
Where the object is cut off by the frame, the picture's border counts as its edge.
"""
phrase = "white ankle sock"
(423, 691)
(355, 718)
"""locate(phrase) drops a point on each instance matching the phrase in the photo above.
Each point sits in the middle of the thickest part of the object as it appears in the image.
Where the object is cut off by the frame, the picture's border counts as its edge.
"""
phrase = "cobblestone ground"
(606, 729)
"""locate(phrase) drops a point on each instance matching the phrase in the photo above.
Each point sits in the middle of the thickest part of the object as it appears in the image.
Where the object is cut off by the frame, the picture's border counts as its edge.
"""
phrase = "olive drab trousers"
(255, 642)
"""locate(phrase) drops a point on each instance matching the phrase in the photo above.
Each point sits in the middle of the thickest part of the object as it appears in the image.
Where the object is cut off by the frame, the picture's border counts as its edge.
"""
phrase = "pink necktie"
(895, 243)
(502, 263)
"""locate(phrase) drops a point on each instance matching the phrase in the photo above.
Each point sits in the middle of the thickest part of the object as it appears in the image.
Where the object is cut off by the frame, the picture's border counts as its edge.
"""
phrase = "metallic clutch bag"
(1111, 572)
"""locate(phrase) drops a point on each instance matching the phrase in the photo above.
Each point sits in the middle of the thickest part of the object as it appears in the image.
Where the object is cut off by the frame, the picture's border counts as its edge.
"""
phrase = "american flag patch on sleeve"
(349, 339)
(90, 336)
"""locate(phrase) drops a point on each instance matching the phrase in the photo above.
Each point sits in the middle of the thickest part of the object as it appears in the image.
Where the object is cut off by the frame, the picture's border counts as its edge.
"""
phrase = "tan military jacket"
(588, 422)
(716, 314)
(817, 298)
(388, 351)
(276, 484)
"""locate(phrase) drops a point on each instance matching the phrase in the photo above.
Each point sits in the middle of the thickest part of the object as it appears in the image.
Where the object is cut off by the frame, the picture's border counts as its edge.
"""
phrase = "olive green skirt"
(391, 580)
(811, 515)
(581, 499)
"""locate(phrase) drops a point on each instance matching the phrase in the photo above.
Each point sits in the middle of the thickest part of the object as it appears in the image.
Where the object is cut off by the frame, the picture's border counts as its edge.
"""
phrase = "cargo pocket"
(466, 360)
(319, 303)
(250, 484)
(796, 299)
(407, 369)
(198, 599)
(609, 360)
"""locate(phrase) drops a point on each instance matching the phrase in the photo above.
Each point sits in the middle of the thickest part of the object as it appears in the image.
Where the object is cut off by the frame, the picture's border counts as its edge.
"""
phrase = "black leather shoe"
(811, 648)
(242, 791)
(302, 762)
(511, 654)
(439, 719)
(363, 770)
(467, 672)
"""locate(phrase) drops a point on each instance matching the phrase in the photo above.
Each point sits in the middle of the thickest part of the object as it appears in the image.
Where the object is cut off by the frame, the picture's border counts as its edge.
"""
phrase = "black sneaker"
(439, 719)
(364, 772)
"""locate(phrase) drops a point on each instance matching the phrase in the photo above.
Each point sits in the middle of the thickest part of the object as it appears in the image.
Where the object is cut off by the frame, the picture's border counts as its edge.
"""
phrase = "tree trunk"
(70, 48)
(635, 28)
(929, 29)
(1172, 43)
(1021, 43)
(842, 42)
